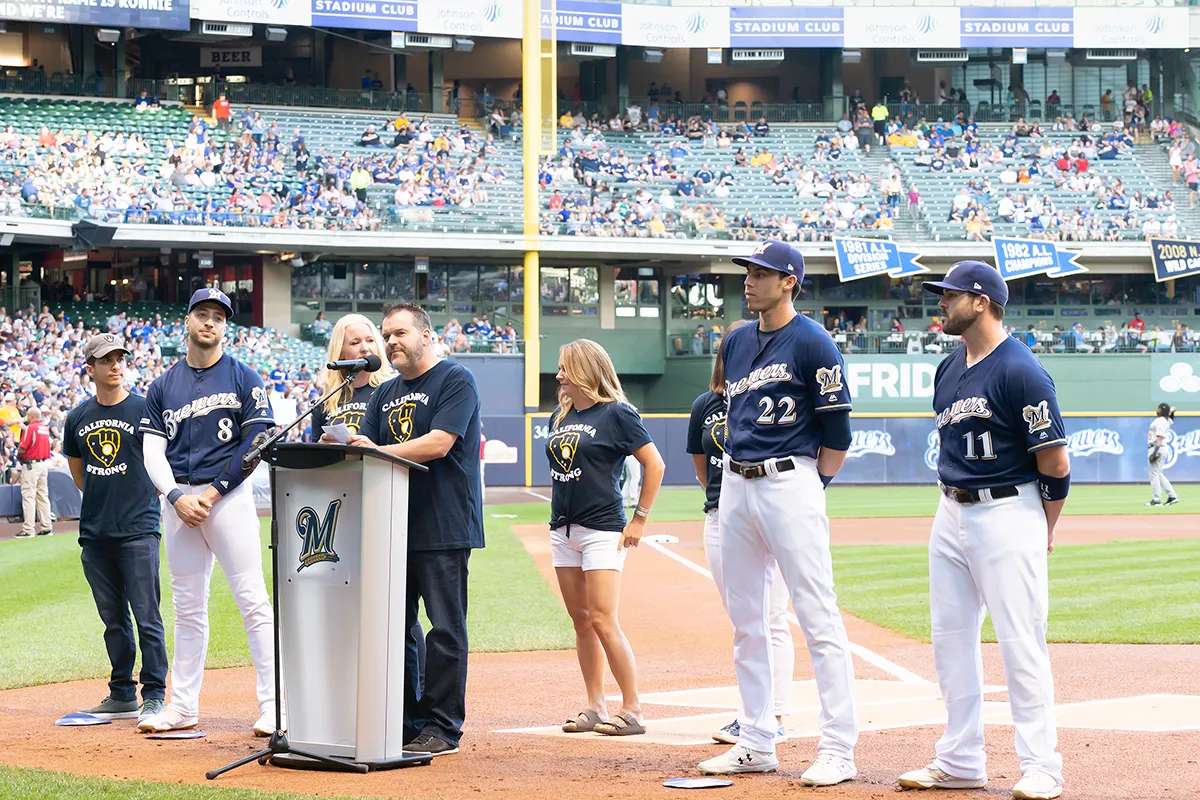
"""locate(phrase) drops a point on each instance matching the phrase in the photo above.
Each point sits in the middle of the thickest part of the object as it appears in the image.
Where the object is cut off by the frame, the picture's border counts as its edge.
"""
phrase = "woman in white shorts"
(591, 432)
(706, 443)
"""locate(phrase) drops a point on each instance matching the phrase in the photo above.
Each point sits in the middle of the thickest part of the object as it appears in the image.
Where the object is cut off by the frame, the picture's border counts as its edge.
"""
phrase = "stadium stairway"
(1158, 165)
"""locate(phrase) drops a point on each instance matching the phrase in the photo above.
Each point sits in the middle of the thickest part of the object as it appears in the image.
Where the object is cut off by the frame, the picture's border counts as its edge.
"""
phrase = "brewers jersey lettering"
(993, 416)
(350, 413)
(201, 413)
(775, 384)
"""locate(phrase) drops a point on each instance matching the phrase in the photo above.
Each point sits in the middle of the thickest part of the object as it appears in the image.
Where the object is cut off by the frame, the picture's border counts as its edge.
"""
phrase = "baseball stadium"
(609, 287)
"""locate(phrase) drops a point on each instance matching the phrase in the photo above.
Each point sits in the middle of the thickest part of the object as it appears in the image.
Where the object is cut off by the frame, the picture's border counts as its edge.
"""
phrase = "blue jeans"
(435, 696)
(124, 575)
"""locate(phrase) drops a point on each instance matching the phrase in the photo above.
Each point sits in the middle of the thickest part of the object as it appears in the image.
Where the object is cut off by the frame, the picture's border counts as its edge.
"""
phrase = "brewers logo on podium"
(317, 534)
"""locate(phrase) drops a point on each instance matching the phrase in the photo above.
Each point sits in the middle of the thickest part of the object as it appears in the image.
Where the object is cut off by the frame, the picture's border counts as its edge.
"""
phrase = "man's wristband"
(642, 511)
(174, 495)
(826, 480)
(1052, 488)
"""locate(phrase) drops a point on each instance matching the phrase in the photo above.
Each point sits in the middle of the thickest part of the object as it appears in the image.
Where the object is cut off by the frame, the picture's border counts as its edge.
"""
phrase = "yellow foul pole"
(531, 96)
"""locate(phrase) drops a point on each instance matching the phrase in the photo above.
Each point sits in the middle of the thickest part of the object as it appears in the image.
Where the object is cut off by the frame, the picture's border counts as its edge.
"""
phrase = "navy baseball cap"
(776, 255)
(975, 277)
(211, 295)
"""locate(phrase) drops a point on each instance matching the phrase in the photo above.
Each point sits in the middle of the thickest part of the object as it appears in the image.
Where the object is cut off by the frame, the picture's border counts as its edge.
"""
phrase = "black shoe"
(1153, 503)
(46, 533)
(1171, 501)
(433, 745)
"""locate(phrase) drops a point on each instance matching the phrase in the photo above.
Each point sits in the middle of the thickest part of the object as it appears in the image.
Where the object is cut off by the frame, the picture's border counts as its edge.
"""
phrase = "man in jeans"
(118, 530)
(34, 455)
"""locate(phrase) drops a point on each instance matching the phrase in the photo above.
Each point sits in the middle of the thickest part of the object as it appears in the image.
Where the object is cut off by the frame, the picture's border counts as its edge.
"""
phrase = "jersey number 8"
(225, 430)
(786, 405)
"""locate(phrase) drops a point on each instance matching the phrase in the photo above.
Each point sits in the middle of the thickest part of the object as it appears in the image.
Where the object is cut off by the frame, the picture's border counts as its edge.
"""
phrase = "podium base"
(294, 761)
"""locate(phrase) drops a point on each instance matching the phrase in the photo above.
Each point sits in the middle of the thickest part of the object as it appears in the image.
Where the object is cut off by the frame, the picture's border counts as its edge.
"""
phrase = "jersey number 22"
(787, 407)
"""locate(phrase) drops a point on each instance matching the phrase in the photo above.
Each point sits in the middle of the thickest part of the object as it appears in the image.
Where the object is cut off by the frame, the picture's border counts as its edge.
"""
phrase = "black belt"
(968, 496)
(752, 471)
(189, 482)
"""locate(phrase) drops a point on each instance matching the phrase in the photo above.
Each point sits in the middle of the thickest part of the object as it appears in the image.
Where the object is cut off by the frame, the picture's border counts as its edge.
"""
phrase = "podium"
(340, 558)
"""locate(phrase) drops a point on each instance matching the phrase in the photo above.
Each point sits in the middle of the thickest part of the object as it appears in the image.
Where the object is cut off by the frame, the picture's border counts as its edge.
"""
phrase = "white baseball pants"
(231, 535)
(1159, 482)
(992, 554)
(781, 519)
(783, 649)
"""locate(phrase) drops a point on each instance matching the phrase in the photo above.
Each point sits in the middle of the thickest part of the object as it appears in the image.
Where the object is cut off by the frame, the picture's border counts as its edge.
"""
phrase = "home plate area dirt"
(1129, 716)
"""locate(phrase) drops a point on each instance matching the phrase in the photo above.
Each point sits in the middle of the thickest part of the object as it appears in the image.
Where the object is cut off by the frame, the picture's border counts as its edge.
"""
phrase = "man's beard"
(958, 325)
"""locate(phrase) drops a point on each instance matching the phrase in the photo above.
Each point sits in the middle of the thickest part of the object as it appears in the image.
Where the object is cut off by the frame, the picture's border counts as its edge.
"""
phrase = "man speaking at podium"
(429, 414)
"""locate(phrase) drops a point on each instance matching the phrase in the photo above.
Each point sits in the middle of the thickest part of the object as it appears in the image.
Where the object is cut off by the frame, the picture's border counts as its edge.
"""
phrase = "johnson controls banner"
(262, 12)
(162, 14)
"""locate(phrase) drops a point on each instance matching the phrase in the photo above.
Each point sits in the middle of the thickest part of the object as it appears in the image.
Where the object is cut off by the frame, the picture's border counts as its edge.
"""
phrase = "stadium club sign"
(786, 27)
(1021, 258)
(583, 21)
(1174, 258)
(172, 15)
(1017, 27)
(866, 258)
(393, 15)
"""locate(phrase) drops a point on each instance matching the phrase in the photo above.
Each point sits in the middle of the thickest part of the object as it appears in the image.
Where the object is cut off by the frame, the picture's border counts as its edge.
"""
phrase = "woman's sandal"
(584, 722)
(622, 724)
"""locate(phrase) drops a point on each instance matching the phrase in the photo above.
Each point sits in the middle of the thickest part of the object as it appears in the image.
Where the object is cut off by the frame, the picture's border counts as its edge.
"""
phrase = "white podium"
(340, 542)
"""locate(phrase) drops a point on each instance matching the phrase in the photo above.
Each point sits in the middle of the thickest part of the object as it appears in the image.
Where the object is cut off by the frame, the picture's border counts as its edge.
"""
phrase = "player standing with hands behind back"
(788, 432)
(1004, 475)
(202, 416)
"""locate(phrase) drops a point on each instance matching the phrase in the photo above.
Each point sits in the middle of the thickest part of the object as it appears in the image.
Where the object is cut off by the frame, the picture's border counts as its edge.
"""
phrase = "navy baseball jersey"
(119, 500)
(201, 412)
(445, 509)
(775, 385)
(706, 437)
(350, 413)
(993, 416)
(587, 451)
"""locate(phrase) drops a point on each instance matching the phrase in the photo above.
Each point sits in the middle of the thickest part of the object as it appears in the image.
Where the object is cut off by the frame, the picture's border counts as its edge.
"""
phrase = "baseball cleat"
(171, 719)
(739, 759)
(1037, 785)
(733, 731)
(266, 722)
(932, 777)
(151, 708)
(829, 770)
(1153, 503)
(111, 708)
(1171, 501)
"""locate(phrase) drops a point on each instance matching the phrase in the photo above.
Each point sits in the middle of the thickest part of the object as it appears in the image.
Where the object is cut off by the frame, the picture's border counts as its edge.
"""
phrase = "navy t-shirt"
(587, 451)
(706, 437)
(993, 417)
(201, 413)
(776, 384)
(445, 509)
(119, 499)
(350, 413)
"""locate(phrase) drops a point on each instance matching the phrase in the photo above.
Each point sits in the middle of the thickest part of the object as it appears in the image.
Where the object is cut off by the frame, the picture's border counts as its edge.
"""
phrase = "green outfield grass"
(52, 633)
(37, 784)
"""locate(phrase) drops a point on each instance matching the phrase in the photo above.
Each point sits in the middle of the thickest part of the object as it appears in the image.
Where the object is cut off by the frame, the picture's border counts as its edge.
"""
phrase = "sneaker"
(829, 770)
(24, 535)
(170, 719)
(1171, 501)
(1037, 785)
(433, 745)
(1152, 503)
(265, 726)
(46, 533)
(150, 708)
(733, 731)
(931, 777)
(740, 759)
(111, 708)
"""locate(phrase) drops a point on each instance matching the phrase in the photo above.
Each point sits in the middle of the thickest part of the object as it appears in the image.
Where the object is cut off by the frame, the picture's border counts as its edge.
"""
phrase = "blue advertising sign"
(1017, 27)
(584, 21)
(1020, 258)
(171, 15)
(373, 15)
(1174, 258)
(786, 27)
(866, 258)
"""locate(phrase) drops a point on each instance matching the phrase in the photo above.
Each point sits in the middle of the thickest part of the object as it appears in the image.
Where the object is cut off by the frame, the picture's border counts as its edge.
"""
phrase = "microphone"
(371, 363)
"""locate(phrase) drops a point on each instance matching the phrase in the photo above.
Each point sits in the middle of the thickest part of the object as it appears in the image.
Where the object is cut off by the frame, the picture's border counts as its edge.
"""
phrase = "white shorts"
(586, 549)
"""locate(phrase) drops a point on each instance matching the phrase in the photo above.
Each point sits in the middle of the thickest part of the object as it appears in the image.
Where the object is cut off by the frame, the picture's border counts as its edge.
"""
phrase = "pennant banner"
(1174, 258)
(1020, 258)
(865, 258)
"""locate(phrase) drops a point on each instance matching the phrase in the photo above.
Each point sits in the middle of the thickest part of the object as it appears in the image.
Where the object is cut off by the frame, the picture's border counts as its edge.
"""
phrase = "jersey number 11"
(985, 443)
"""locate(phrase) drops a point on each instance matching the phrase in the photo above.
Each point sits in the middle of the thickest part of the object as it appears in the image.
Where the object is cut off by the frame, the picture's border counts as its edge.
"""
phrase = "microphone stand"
(278, 743)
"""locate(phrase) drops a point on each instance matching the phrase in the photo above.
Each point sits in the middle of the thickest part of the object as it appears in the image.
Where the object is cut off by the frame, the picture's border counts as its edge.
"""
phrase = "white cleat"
(266, 723)
(172, 719)
(829, 770)
(1037, 785)
(739, 759)
(932, 777)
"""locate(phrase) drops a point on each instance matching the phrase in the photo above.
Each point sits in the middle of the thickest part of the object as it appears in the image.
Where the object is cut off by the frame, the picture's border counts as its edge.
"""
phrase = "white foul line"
(538, 496)
(873, 658)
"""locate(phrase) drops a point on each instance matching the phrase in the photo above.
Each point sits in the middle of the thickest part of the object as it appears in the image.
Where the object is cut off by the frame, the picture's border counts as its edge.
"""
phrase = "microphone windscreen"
(373, 363)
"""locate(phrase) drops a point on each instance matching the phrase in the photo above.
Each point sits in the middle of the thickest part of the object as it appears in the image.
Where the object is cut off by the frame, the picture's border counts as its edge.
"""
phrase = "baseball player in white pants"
(1156, 442)
(202, 416)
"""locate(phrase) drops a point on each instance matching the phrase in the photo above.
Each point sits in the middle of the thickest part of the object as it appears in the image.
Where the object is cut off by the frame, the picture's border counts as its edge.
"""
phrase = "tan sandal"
(623, 724)
(584, 722)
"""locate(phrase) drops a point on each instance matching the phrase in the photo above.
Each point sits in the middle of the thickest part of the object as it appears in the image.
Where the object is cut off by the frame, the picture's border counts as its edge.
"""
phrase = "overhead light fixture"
(108, 35)
(463, 45)
(276, 34)
(652, 56)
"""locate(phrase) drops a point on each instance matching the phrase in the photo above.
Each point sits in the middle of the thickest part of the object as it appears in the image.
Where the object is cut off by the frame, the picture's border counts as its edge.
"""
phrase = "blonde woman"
(591, 432)
(706, 444)
(354, 336)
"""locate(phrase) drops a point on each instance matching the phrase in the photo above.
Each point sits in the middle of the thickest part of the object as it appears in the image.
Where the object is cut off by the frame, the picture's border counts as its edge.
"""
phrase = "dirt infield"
(1113, 747)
